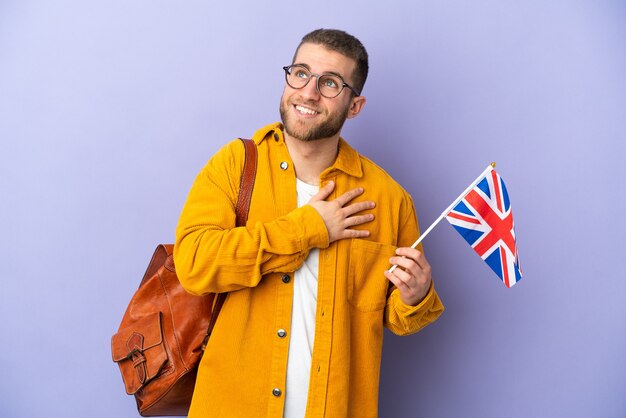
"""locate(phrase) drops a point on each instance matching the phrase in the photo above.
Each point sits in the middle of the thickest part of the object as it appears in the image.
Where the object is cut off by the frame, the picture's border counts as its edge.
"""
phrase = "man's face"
(307, 115)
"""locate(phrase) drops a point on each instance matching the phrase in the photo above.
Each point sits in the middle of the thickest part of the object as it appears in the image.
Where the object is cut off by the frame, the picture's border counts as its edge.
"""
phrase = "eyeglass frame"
(288, 68)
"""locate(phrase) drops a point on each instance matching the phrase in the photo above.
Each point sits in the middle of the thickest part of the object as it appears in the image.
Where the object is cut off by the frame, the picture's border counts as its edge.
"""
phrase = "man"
(301, 330)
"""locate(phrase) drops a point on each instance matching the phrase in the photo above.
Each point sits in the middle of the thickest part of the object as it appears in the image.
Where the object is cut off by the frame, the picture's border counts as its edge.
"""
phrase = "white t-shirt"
(302, 323)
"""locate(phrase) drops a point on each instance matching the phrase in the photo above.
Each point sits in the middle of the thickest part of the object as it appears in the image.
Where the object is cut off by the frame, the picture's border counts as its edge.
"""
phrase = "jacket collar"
(348, 159)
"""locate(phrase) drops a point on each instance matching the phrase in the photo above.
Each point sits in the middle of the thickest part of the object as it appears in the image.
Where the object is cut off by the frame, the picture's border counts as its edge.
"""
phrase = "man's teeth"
(306, 110)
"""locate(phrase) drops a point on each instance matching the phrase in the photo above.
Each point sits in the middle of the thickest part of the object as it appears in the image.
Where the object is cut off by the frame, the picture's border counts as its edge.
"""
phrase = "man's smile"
(303, 110)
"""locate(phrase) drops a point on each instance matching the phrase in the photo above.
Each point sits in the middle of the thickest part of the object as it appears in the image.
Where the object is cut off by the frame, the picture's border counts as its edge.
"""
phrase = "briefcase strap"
(247, 182)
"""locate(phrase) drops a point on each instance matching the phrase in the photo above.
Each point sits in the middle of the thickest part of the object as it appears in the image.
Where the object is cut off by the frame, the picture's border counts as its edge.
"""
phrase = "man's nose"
(310, 90)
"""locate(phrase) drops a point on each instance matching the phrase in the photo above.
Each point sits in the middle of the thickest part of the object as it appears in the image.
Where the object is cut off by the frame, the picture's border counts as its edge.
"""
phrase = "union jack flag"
(484, 218)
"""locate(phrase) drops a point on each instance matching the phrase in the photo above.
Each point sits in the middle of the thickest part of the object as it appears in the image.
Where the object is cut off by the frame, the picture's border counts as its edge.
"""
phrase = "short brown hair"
(346, 44)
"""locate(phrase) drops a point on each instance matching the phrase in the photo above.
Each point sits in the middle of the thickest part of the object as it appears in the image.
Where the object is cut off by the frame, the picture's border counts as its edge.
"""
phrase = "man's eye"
(329, 82)
(301, 74)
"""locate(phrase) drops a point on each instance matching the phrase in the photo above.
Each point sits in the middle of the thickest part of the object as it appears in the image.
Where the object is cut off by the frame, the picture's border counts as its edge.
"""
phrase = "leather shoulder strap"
(247, 182)
(243, 208)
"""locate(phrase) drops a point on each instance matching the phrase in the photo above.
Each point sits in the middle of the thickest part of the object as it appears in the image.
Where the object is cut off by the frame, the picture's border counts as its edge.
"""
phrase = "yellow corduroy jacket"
(243, 370)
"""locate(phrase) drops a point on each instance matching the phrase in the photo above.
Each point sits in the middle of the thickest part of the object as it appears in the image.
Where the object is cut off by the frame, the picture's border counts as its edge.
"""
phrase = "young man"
(302, 327)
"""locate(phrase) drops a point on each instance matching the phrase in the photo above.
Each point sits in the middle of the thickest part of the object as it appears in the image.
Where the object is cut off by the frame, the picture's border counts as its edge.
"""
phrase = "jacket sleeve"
(403, 319)
(212, 255)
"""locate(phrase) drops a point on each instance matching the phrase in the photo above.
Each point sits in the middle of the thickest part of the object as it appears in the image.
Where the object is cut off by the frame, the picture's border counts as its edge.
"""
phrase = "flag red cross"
(501, 229)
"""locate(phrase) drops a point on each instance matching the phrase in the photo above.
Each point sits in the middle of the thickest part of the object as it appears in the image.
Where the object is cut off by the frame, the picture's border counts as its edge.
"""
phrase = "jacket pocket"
(367, 285)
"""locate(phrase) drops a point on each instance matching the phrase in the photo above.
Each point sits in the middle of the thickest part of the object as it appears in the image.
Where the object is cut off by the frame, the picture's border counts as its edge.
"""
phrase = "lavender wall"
(109, 108)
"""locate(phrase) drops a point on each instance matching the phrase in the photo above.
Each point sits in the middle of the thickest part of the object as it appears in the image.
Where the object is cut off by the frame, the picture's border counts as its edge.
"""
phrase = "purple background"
(108, 109)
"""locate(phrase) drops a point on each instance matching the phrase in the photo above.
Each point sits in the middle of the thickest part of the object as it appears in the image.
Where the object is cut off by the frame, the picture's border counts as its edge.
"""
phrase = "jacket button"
(281, 333)
(284, 165)
(286, 278)
(276, 392)
(276, 137)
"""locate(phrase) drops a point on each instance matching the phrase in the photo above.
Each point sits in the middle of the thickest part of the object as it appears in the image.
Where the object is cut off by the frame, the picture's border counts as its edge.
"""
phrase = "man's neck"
(311, 158)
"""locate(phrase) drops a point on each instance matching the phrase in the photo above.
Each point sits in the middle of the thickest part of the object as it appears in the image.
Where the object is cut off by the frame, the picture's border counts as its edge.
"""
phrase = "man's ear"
(356, 104)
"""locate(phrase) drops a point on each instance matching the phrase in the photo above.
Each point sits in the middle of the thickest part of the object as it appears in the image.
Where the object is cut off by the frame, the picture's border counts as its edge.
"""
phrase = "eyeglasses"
(328, 85)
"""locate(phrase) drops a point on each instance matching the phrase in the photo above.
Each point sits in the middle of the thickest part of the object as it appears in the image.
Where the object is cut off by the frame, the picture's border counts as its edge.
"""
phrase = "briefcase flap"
(139, 351)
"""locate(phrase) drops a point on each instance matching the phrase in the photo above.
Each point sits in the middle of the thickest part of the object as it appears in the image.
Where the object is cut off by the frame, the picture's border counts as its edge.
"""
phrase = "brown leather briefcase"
(163, 333)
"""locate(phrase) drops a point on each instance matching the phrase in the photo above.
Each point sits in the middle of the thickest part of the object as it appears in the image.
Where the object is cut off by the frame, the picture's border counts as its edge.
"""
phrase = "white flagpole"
(449, 208)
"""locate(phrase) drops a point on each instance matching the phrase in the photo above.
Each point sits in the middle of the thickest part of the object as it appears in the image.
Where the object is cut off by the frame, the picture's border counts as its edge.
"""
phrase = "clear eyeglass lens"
(298, 77)
(330, 85)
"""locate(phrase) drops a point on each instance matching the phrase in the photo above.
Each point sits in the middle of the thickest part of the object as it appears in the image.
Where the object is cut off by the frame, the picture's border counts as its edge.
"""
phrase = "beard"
(323, 129)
